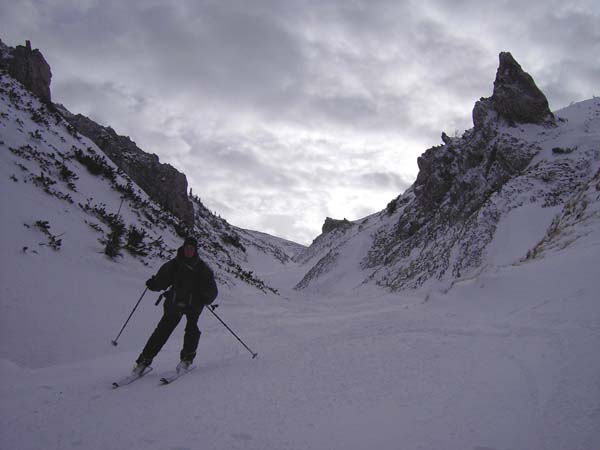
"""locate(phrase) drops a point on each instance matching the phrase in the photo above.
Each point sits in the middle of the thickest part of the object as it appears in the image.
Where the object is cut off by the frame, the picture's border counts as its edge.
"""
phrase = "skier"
(192, 286)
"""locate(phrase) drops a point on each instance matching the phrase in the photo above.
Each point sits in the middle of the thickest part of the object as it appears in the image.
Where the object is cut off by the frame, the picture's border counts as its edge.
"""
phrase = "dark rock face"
(332, 224)
(460, 175)
(162, 182)
(28, 67)
(482, 112)
(444, 214)
(516, 97)
(480, 162)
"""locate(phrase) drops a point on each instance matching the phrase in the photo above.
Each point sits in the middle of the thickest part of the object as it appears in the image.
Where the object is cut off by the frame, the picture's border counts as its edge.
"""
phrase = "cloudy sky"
(282, 113)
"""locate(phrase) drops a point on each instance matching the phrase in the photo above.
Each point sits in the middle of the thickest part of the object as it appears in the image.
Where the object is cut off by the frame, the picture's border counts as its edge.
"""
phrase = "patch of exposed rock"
(29, 67)
(333, 224)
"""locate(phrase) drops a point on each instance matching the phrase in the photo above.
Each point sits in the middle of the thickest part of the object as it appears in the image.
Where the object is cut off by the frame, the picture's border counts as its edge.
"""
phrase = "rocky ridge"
(441, 228)
(45, 150)
(163, 183)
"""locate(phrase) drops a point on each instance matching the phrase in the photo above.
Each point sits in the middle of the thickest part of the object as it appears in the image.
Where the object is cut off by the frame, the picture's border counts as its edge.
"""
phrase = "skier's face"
(189, 251)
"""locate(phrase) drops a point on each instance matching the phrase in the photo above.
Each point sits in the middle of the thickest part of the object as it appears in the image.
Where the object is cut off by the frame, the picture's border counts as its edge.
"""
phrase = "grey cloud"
(384, 180)
(249, 60)
(252, 186)
(105, 102)
(201, 48)
(235, 52)
(572, 38)
(344, 109)
(236, 168)
(553, 40)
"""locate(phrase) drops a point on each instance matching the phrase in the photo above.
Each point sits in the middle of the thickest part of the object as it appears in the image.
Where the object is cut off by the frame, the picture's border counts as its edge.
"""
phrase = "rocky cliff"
(162, 182)
(29, 67)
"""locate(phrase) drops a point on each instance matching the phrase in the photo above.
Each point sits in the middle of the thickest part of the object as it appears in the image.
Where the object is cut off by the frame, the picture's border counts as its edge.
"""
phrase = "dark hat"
(191, 241)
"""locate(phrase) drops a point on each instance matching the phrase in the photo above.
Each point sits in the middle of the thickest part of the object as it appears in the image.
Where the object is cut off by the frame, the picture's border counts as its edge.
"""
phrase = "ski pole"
(212, 310)
(114, 342)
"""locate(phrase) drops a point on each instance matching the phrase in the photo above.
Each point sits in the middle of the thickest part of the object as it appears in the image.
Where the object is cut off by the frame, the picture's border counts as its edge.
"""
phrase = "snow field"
(508, 361)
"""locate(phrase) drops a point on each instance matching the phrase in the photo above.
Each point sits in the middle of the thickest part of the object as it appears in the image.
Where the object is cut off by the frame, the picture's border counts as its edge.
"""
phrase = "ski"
(131, 378)
(171, 376)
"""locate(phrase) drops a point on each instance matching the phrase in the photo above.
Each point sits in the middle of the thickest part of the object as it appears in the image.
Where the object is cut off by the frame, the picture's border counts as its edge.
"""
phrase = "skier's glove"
(151, 284)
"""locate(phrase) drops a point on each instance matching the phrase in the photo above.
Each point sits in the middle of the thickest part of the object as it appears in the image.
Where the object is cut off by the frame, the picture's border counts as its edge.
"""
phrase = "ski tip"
(164, 381)
(115, 385)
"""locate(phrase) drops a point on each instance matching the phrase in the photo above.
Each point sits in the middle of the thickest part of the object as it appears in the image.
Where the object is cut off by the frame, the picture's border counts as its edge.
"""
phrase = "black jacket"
(191, 282)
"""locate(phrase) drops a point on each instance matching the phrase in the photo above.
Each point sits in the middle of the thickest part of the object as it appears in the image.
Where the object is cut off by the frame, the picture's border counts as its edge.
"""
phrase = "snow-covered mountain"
(519, 166)
(521, 184)
(83, 188)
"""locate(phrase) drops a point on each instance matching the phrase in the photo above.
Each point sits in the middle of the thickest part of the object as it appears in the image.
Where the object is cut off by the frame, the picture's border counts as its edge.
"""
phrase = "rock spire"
(28, 67)
(516, 97)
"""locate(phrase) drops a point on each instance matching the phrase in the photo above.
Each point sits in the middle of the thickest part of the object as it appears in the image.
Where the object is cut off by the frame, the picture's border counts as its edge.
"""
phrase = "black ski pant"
(169, 321)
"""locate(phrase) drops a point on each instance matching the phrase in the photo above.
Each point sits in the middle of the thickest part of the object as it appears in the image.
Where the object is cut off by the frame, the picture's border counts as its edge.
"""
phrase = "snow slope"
(506, 361)
(418, 245)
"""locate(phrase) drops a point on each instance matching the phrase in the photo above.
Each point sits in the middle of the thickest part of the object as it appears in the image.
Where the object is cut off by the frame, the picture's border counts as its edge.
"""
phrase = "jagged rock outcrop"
(29, 67)
(497, 179)
(462, 173)
(332, 224)
(516, 98)
(445, 138)
(442, 227)
(442, 214)
(162, 182)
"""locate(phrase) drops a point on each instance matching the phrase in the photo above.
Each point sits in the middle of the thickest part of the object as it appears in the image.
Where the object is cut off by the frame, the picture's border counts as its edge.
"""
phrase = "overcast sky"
(282, 113)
